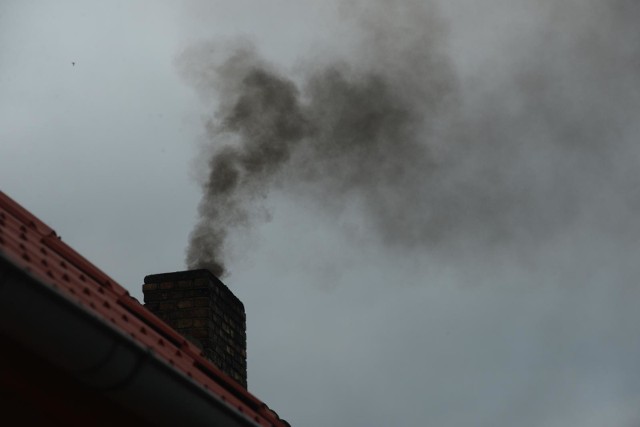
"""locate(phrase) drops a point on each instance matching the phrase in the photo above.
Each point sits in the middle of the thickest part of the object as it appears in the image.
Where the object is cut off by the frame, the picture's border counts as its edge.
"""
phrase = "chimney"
(202, 309)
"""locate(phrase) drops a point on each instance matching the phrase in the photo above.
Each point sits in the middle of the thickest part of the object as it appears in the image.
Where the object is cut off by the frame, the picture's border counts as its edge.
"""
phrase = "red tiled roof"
(33, 247)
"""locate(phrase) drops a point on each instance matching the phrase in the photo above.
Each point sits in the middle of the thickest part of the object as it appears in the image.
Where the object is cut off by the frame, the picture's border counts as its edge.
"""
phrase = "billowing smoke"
(262, 111)
(431, 157)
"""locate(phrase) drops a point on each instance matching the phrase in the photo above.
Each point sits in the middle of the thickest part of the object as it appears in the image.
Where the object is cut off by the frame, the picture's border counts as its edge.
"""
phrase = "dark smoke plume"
(263, 111)
(511, 156)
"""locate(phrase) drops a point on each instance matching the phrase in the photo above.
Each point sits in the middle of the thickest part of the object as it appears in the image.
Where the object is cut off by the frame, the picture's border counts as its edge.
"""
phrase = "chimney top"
(188, 275)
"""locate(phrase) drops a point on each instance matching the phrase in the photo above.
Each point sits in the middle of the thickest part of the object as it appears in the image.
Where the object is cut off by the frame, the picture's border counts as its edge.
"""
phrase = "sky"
(434, 216)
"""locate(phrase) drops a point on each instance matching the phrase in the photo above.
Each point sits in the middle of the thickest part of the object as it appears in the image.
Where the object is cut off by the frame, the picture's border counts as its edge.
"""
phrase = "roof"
(37, 266)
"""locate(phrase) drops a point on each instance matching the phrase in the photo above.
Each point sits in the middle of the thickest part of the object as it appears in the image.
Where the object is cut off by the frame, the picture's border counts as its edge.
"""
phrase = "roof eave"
(102, 357)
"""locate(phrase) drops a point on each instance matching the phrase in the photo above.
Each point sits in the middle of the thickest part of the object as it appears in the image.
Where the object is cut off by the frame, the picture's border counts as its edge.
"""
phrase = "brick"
(200, 312)
(149, 287)
(201, 302)
(201, 333)
(196, 293)
(153, 296)
(200, 282)
(185, 303)
(166, 306)
(184, 323)
(184, 284)
(199, 323)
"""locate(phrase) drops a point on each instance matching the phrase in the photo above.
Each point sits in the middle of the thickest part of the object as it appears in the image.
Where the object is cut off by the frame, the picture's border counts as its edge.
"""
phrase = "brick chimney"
(201, 308)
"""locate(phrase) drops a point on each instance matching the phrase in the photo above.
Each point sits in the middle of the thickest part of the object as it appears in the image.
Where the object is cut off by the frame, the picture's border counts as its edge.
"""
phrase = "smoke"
(432, 157)
(263, 112)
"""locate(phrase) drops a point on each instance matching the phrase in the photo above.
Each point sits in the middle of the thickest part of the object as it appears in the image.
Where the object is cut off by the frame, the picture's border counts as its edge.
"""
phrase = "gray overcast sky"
(102, 136)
